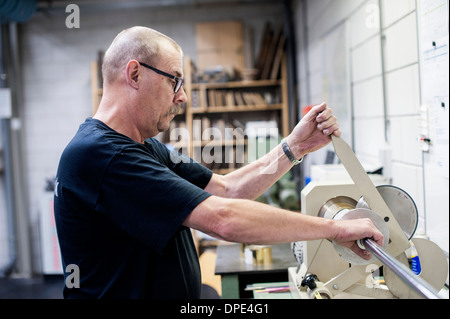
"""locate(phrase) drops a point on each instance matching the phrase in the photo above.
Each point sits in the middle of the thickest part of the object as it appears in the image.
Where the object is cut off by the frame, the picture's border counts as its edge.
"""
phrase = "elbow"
(225, 223)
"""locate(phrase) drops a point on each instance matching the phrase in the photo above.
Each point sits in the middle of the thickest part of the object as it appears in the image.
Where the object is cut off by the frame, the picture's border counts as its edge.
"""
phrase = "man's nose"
(180, 96)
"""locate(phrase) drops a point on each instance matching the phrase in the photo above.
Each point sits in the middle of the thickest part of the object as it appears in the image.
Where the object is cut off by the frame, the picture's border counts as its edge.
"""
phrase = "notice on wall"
(435, 76)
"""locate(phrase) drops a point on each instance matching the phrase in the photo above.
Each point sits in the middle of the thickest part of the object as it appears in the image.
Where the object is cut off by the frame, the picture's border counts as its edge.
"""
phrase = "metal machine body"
(339, 276)
(319, 257)
(327, 270)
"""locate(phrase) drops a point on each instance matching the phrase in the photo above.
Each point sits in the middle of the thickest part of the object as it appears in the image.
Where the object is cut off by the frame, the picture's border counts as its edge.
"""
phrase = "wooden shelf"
(237, 108)
(235, 84)
(253, 98)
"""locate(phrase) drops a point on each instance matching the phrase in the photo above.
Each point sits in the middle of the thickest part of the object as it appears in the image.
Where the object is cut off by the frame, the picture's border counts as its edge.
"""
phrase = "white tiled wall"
(401, 43)
(366, 16)
(384, 116)
(403, 91)
(366, 95)
(366, 59)
(369, 139)
(403, 132)
(396, 10)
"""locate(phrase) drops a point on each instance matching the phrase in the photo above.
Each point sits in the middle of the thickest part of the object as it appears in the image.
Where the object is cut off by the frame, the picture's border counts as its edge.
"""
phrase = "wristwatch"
(289, 154)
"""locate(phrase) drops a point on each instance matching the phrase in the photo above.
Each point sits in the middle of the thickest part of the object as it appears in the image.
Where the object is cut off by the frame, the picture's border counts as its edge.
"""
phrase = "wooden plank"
(278, 58)
(286, 129)
(271, 54)
(238, 108)
(220, 43)
(236, 84)
(265, 44)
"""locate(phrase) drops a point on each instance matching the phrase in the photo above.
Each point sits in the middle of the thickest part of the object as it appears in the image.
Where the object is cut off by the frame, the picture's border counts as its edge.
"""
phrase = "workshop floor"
(33, 288)
(51, 288)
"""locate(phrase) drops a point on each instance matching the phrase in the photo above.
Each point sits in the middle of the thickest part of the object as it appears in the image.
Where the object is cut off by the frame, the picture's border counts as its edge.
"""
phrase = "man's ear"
(133, 73)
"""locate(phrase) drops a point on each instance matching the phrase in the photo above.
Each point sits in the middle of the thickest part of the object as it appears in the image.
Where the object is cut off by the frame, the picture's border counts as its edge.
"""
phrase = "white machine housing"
(336, 277)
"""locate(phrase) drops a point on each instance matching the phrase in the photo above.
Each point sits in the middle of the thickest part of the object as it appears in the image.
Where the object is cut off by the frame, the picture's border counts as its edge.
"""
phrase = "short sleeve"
(182, 165)
(145, 198)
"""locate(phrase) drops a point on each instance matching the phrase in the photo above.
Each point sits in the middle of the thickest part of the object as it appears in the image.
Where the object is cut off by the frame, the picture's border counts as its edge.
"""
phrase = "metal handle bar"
(403, 272)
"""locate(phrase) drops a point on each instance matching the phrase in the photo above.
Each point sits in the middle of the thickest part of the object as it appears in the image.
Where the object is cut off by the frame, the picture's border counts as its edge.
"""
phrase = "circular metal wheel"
(401, 205)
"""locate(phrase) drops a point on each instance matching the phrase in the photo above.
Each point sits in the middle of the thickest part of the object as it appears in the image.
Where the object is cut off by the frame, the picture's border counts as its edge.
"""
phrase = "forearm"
(244, 221)
(252, 180)
(263, 224)
(251, 222)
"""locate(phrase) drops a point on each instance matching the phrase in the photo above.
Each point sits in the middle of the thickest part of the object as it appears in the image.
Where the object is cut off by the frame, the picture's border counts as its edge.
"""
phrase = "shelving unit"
(215, 107)
(221, 105)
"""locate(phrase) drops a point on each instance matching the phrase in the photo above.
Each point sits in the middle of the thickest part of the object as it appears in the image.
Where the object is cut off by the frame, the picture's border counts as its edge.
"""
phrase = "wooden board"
(265, 45)
(268, 63)
(278, 58)
(220, 43)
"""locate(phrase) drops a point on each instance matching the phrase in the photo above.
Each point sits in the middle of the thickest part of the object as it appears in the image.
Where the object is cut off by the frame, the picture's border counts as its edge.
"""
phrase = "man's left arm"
(311, 133)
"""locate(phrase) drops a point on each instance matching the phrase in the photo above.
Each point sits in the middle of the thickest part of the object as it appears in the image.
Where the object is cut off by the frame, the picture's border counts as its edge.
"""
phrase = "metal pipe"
(404, 273)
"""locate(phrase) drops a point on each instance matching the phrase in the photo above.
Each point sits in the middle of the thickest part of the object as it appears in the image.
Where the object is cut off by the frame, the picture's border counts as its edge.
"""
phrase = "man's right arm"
(246, 221)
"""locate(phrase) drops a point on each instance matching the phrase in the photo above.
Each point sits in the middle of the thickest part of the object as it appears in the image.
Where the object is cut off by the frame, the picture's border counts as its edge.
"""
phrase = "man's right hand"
(349, 231)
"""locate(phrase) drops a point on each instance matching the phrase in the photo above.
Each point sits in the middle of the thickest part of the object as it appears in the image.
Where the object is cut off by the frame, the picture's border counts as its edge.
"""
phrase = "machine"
(327, 270)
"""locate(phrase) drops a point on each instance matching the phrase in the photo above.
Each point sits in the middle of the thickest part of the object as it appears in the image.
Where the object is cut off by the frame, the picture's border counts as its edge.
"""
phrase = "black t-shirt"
(119, 208)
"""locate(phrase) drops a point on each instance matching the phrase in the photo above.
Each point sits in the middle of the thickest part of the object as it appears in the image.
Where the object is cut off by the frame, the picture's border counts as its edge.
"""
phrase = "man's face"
(160, 102)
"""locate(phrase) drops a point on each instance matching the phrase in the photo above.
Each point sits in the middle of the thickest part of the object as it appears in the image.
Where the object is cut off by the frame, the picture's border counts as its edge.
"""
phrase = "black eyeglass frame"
(179, 82)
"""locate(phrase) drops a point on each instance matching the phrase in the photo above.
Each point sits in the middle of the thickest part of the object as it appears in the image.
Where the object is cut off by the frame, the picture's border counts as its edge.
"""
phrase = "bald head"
(138, 43)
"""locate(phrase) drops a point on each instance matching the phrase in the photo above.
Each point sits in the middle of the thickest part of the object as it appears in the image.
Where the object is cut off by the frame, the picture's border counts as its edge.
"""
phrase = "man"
(124, 204)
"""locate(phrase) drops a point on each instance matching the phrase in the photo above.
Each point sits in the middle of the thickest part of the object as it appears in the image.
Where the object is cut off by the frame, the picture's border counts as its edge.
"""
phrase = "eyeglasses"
(178, 81)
